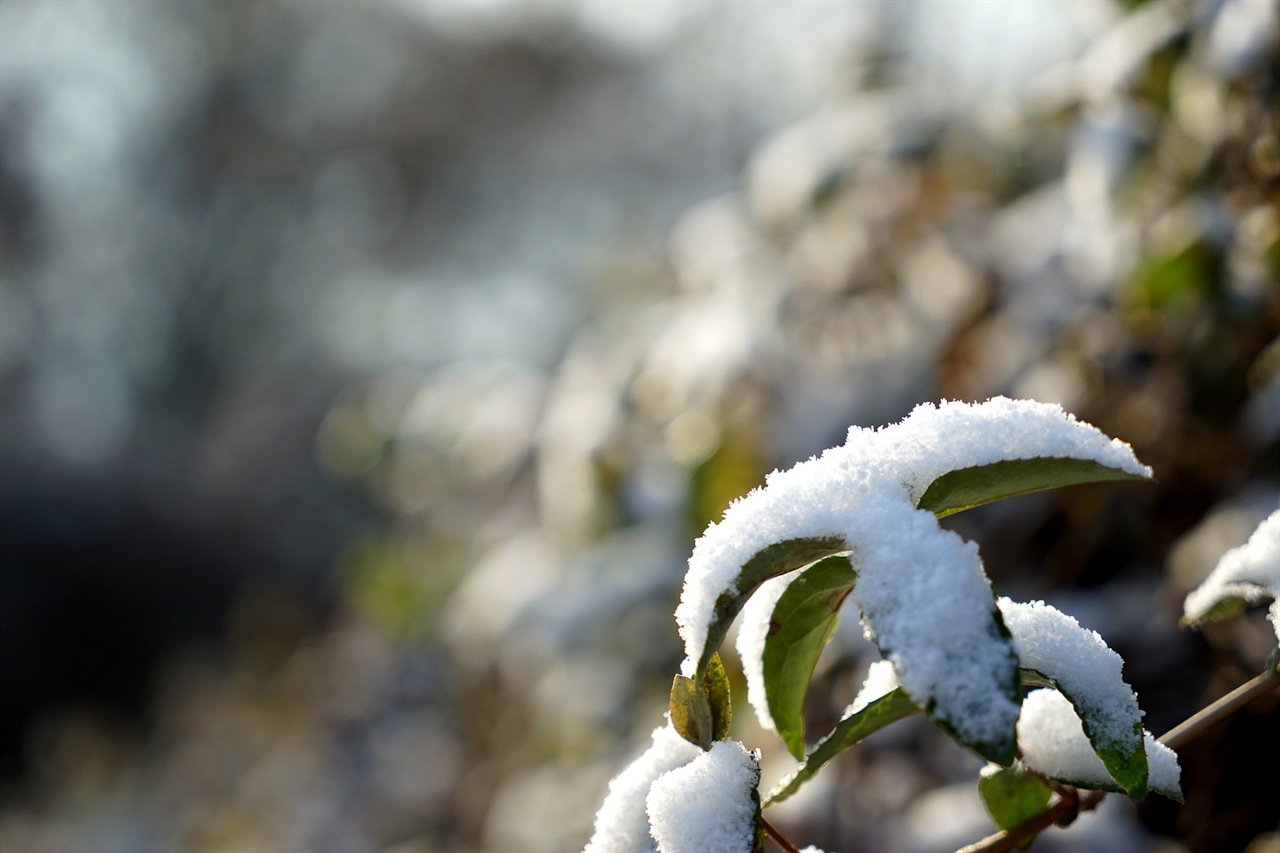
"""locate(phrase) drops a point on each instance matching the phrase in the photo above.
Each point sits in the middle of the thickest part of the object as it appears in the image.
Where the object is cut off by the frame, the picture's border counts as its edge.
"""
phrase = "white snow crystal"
(752, 634)
(882, 679)
(621, 823)
(1053, 743)
(1052, 643)
(922, 591)
(706, 805)
(1250, 572)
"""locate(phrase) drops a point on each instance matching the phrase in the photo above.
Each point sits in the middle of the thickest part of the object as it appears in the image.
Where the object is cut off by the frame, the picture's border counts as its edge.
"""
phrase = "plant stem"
(1180, 735)
(1061, 809)
(1197, 724)
(778, 838)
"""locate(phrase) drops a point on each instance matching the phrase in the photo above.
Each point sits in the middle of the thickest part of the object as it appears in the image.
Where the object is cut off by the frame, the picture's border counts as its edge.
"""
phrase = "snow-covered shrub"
(859, 524)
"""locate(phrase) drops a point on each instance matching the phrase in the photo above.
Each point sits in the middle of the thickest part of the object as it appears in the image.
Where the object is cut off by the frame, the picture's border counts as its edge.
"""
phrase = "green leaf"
(715, 686)
(967, 488)
(776, 559)
(690, 712)
(1125, 759)
(1012, 796)
(803, 621)
(878, 713)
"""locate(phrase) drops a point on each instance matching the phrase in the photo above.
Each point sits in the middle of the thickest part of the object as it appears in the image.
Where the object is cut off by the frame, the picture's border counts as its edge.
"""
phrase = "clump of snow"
(1250, 572)
(882, 679)
(1080, 663)
(1053, 743)
(922, 591)
(621, 823)
(927, 604)
(707, 805)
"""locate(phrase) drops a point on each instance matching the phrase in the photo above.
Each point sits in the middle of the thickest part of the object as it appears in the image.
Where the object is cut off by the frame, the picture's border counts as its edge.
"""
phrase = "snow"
(922, 591)
(1250, 572)
(1080, 663)
(707, 805)
(882, 679)
(621, 823)
(752, 634)
(1053, 743)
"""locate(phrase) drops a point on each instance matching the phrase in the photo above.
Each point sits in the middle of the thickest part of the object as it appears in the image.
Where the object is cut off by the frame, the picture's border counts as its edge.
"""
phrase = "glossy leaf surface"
(803, 621)
(967, 488)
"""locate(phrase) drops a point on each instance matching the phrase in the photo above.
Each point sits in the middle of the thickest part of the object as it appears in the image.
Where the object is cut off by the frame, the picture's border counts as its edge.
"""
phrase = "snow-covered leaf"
(1053, 743)
(1079, 664)
(1245, 575)
(803, 621)
(1056, 651)
(967, 488)
(922, 592)
(1012, 796)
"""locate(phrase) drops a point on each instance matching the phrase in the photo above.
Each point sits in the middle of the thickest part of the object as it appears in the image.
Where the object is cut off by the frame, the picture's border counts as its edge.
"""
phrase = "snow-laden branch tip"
(1244, 575)
(921, 590)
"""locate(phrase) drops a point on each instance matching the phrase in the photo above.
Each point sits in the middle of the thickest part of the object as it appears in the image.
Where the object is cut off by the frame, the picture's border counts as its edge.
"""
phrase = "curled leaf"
(1053, 743)
(803, 621)
(967, 488)
(776, 559)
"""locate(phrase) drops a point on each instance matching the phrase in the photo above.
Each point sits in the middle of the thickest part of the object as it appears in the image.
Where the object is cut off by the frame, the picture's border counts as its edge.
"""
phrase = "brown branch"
(1197, 724)
(1065, 807)
(778, 838)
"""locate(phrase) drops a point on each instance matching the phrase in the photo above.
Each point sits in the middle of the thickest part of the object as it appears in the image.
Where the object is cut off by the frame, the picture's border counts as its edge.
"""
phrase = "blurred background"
(367, 370)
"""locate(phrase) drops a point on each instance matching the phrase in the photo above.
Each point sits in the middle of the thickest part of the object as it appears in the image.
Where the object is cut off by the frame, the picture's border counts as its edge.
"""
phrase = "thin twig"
(1200, 722)
(1177, 737)
(778, 838)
